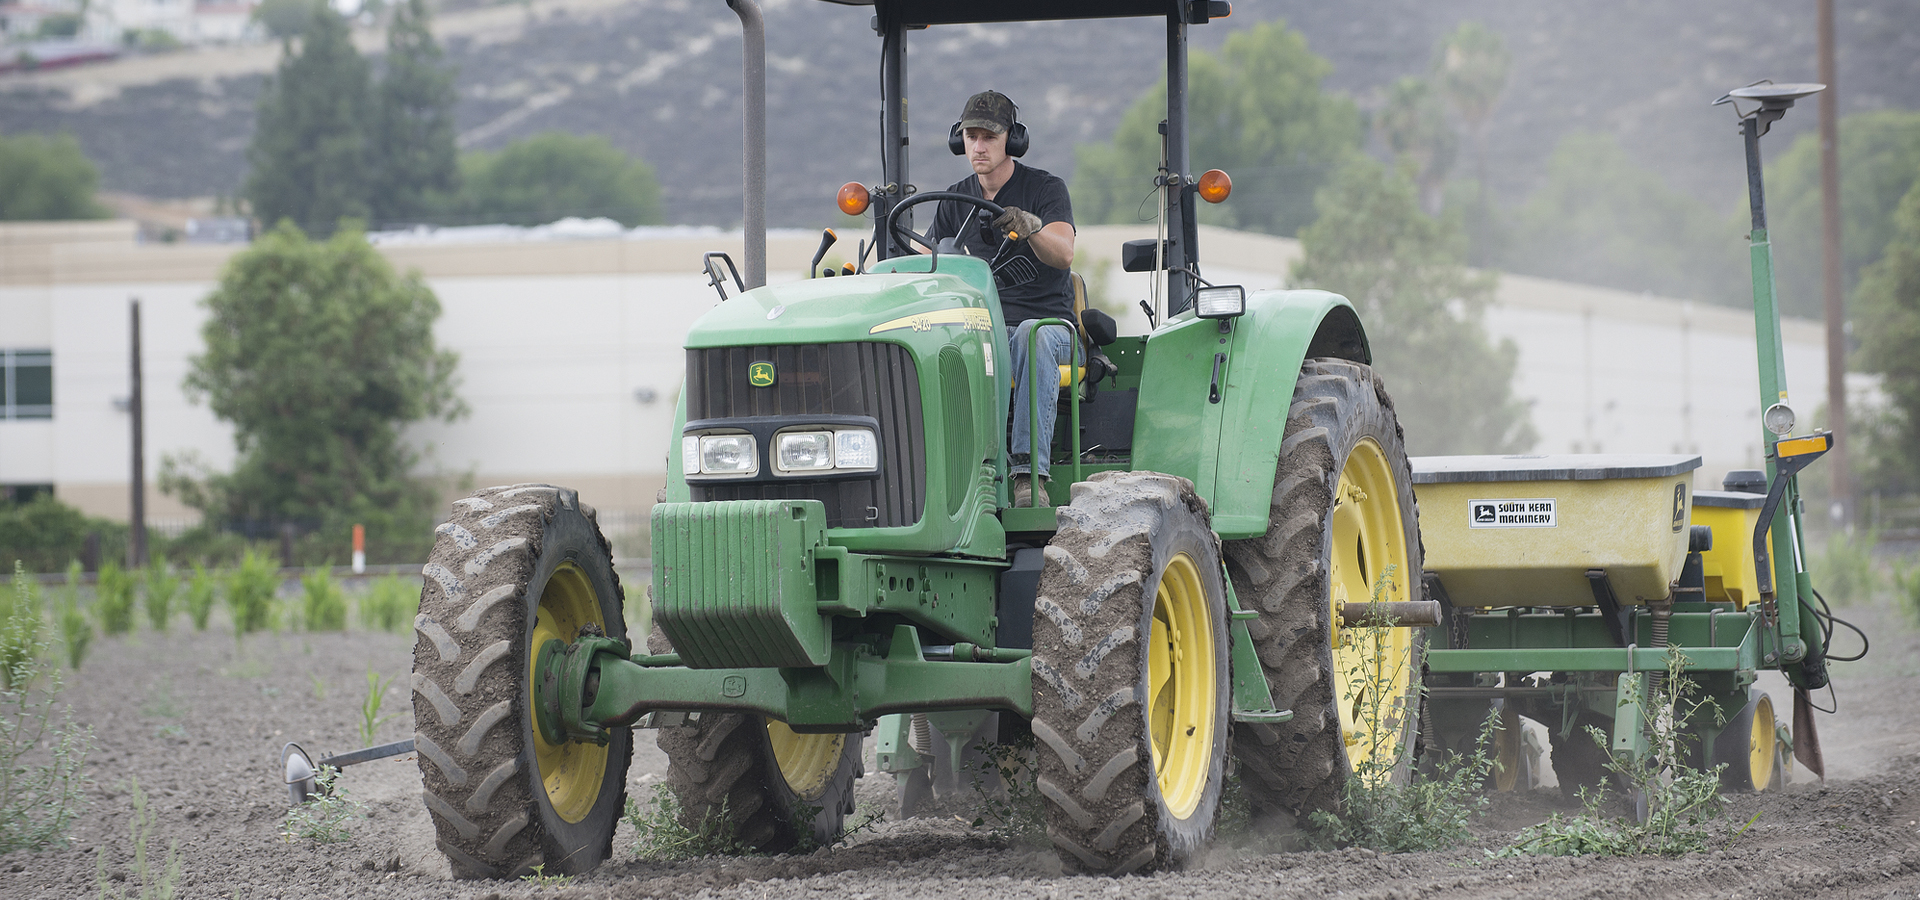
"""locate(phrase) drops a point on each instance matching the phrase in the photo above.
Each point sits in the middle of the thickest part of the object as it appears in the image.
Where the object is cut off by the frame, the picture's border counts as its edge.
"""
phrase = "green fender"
(1224, 431)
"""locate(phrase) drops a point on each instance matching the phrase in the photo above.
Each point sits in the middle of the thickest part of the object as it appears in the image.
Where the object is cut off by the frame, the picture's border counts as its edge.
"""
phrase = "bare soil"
(199, 719)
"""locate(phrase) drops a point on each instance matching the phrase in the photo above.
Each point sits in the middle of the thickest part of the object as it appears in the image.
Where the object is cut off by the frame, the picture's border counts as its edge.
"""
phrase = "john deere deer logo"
(760, 374)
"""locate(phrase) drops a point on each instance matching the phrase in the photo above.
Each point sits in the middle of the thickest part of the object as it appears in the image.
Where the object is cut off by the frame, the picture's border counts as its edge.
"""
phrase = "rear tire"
(514, 567)
(1130, 690)
(731, 764)
(1326, 544)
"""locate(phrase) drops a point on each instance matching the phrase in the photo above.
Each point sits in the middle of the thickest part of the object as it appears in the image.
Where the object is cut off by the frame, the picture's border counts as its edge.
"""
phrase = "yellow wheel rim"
(1180, 686)
(1374, 666)
(573, 771)
(1506, 751)
(1760, 745)
(806, 761)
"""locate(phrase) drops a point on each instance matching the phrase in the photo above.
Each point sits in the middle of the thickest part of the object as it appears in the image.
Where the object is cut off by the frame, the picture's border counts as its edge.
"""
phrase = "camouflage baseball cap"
(990, 110)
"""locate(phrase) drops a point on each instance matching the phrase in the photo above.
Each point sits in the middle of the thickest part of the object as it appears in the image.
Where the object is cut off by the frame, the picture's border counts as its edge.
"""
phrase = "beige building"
(570, 354)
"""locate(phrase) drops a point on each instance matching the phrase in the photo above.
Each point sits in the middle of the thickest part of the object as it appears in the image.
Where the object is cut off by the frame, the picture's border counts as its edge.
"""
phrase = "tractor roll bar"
(753, 36)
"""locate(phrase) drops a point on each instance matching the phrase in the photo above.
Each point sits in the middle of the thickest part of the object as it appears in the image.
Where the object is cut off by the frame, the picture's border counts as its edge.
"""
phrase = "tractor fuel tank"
(1524, 530)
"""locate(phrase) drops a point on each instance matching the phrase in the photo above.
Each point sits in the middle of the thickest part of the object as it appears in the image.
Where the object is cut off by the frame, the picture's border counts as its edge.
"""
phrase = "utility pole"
(137, 533)
(1839, 458)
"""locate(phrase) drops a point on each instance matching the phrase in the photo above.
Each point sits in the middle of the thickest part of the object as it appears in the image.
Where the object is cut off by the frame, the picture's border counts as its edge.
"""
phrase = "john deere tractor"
(837, 556)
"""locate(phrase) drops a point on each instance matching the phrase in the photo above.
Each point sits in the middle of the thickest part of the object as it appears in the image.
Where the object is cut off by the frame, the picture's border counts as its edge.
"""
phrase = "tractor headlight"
(804, 451)
(1220, 302)
(728, 454)
(855, 448)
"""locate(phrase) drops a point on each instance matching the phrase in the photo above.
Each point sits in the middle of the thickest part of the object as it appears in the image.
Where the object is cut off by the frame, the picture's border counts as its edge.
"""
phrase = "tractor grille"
(850, 379)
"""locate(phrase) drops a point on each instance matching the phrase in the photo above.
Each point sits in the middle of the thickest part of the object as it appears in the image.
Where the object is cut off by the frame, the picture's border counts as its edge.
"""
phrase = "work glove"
(1016, 223)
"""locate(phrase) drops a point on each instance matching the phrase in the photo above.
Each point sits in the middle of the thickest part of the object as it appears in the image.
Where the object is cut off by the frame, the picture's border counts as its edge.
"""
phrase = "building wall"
(571, 361)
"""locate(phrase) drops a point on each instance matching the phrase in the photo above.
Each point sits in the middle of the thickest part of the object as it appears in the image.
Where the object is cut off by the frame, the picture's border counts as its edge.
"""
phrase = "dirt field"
(199, 719)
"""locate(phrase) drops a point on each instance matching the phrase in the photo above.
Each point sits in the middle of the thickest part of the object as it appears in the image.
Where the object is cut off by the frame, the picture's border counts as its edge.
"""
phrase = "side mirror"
(1137, 256)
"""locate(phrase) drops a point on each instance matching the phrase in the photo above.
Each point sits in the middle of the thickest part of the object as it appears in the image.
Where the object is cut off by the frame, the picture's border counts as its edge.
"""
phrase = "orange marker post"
(359, 549)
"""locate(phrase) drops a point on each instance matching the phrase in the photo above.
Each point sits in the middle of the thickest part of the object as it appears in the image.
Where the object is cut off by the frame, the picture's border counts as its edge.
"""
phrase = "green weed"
(1684, 810)
(76, 630)
(250, 594)
(1008, 795)
(1844, 569)
(42, 752)
(660, 834)
(370, 717)
(324, 605)
(325, 818)
(390, 604)
(200, 596)
(162, 586)
(540, 878)
(152, 887)
(113, 599)
(1427, 811)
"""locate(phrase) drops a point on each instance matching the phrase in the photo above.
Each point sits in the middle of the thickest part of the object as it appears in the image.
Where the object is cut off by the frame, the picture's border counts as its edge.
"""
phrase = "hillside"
(661, 78)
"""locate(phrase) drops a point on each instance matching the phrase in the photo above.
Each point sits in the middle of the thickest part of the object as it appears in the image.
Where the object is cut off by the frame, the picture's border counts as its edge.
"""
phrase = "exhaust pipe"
(753, 34)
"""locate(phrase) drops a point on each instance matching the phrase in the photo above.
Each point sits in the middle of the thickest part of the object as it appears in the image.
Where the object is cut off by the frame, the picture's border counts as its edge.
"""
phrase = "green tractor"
(836, 556)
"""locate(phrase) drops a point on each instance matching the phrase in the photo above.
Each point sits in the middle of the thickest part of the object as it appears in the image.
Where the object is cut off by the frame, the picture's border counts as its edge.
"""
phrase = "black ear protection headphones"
(1016, 137)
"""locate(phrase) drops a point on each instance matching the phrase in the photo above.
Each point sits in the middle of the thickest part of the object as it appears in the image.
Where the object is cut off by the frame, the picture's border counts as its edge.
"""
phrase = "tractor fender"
(1231, 448)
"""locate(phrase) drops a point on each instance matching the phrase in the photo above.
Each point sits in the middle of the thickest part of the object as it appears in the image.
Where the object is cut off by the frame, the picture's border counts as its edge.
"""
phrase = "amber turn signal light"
(854, 198)
(1215, 185)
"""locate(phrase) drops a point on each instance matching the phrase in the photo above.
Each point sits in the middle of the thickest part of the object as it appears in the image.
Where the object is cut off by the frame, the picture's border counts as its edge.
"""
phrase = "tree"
(1879, 162)
(1414, 125)
(1601, 219)
(309, 154)
(45, 178)
(318, 353)
(1405, 273)
(1470, 69)
(554, 175)
(413, 137)
(1888, 303)
(1255, 110)
(283, 19)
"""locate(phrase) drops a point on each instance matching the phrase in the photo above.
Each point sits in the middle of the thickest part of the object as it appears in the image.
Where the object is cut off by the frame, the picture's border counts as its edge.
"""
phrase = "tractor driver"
(1031, 275)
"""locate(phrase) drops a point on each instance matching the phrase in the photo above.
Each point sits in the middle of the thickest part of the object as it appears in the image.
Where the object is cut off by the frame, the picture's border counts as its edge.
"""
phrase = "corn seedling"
(152, 887)
(324, 606)
(113, 599)
(326, 817)
(1683, 805)
(1378, 810)
(42, 751)
(162, 586)
(250, 593)
(76, 630)
(661, 834)
(370, 717)
(390, 604)
(200, 597)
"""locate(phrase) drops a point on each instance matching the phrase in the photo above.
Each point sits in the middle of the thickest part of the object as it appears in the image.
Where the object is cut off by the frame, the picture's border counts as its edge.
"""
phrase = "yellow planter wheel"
(1749, 746)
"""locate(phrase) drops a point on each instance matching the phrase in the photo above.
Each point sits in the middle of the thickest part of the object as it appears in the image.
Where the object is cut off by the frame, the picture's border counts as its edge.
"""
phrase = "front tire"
(512, 569)
(1130, 699)
(776, 788)
(1342, 514)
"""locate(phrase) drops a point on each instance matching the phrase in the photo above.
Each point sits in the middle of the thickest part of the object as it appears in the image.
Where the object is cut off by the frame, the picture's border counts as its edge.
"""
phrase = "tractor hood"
(900, 295)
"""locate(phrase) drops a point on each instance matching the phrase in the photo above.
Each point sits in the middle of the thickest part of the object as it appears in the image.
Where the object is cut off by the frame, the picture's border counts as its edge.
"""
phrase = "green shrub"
(250, 594)
(324, 605)
(162, 586)
(113, 599)
(1843, 572)
(47, 534)
(76, 630)
(390, 604)
(42, 756)
(200, 596)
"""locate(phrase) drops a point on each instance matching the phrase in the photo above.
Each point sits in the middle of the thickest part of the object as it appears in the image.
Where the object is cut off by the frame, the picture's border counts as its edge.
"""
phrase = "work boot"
(1024, 493)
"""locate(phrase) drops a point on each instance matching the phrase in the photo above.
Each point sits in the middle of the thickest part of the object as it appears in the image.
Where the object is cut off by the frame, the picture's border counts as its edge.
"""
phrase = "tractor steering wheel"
(905, 235)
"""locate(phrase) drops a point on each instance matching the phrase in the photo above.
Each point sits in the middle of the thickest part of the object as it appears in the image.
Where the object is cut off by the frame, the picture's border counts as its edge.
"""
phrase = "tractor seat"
(1096, 330)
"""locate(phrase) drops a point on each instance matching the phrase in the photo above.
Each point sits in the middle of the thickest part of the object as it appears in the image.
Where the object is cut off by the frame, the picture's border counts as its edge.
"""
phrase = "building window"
(26, 384)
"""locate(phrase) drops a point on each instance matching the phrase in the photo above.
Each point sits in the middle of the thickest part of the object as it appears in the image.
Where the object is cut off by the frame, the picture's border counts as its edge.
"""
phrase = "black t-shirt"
(1029, 288)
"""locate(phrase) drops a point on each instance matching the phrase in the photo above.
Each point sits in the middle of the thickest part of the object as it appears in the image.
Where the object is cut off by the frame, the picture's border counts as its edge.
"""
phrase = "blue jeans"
(1055, 349)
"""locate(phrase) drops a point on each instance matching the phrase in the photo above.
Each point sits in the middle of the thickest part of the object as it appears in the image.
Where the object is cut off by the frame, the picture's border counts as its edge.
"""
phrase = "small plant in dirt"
(201, 592)
(660, 834)
(153, 886)
(370, 717)
(1684, 810)
(76, 630)
(1845, 568)
(250, 592)
(113, 599)
(161, 588)
(390, 604)
(42, 751)
(1008, 797)
(1430, 811)
(1906, 584)
(327, 817)
(323, 604)
(539, 877)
